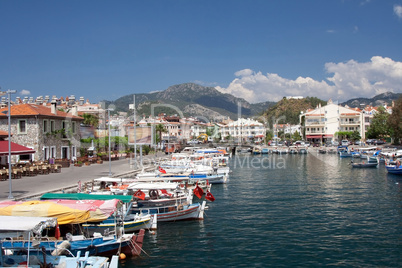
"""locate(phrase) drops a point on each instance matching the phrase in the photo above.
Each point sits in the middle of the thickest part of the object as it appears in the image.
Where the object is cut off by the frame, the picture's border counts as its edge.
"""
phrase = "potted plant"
(78, 164)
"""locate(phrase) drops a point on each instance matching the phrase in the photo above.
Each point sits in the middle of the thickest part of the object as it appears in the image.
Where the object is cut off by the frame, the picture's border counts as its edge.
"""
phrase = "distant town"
(69, 127)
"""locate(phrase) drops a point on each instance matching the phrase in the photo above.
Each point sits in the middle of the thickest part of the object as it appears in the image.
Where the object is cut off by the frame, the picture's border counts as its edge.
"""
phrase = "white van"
(345, 143)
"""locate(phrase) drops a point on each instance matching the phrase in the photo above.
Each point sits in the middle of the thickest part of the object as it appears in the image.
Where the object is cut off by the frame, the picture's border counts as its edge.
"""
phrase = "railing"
(350, 122)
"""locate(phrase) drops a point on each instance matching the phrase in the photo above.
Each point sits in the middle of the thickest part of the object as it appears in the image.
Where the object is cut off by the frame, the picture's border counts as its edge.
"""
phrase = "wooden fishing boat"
(394, 168)
(167, 201)
(70, 215)
(371, 163)
(131, 222)
(29, 254)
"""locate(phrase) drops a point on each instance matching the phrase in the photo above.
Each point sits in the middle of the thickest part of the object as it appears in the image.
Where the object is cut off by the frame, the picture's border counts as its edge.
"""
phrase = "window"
(64, 125)
(52, 126)
(73, 126)
(22, 126)
(45, 126)
(53, 152)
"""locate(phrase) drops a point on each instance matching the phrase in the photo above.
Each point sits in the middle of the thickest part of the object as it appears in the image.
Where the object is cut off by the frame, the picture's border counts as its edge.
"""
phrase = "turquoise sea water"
(288, 211)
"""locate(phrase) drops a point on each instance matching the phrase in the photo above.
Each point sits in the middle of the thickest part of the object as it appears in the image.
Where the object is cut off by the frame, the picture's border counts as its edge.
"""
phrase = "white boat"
(166, 200)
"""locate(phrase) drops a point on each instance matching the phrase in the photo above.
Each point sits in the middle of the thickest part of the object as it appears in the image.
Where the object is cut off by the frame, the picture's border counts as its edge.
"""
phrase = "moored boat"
(371, 163)
(28, 253)
(70, 215)
(394, 168)
(130, 222)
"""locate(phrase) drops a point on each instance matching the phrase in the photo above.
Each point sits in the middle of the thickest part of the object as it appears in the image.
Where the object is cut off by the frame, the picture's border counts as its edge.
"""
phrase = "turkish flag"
(161, 170)
(198, 191)
(140, 194)
(209, 196)
(57, 232)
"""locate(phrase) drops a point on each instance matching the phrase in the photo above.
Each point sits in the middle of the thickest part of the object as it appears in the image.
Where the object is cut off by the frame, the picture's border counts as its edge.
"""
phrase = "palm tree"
(91, 120)
(159, 129)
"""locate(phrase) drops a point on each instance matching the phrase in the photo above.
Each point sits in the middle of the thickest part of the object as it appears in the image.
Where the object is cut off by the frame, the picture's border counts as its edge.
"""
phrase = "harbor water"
(288, 211)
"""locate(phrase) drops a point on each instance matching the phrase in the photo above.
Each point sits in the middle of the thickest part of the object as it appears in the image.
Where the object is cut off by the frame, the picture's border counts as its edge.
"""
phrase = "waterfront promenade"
(31, 187)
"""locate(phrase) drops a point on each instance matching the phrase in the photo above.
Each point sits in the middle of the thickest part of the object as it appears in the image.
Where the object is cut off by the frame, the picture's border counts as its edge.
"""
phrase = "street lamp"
(9, 92)
(110, 158)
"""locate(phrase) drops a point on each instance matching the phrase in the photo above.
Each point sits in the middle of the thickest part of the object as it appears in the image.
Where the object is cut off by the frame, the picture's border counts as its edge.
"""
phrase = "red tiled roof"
(36, 110)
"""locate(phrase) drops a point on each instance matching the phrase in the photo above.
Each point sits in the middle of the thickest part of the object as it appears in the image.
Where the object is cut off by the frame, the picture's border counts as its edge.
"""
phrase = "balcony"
(350, 123)
(314, 132)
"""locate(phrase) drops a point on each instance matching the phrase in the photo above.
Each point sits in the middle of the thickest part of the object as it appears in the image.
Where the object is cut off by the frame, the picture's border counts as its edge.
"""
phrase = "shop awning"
(16, 149)
(313, 136)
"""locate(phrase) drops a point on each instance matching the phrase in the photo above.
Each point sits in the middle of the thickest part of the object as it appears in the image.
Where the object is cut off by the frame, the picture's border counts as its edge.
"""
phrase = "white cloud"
(25, 92)
(349, 80)
(398, 11)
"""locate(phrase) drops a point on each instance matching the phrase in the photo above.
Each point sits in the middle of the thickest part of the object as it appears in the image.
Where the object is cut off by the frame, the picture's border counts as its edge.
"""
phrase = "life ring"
(153, 194)
(93, 250)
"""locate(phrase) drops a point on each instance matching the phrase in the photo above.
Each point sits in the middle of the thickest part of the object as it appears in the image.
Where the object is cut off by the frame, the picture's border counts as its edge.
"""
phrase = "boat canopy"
(26, 224)
(208, 151)
(83, 196)
(66, 211)
(153, 186)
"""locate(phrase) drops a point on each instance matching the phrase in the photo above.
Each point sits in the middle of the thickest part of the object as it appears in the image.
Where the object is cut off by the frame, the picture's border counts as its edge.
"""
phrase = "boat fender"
(398, 163)
(61, 248)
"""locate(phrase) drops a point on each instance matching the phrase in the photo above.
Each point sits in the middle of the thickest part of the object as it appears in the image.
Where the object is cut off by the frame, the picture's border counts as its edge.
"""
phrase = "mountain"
(191, 99)
(381, 99)
(207, 103)
(288, 110)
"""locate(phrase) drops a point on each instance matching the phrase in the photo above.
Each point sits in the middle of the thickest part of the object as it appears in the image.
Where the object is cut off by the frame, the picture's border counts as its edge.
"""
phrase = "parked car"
(316, 144)
(371, 141)
(379, 142)
(344, 142)
(360, 143)
(194, 142)
(299, 143)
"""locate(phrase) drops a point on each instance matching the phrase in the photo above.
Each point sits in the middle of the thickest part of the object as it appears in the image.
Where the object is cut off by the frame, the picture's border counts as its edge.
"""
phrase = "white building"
(243, 130)
(322, 123)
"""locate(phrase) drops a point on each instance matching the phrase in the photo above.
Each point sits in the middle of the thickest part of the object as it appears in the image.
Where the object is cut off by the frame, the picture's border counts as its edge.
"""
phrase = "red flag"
(209, 196)
(57, 232)
(161, 170)
(198, 191)
(140, 194)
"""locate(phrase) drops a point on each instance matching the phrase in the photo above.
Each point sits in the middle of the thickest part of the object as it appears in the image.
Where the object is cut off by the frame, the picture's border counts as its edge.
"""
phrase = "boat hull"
(131, 245)
(394, 170)
(187, 212)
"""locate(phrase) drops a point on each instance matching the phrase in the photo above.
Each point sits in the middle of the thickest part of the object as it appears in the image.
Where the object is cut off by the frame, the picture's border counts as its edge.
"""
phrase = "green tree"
(90, 120)
(378, 126)
(355, 136)
(296, 136)
(268, 136)
(395, 121)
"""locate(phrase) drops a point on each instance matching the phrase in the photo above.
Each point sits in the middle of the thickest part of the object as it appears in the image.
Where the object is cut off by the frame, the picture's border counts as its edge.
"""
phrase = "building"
(45, 129)
(321, 124)
(243, 130)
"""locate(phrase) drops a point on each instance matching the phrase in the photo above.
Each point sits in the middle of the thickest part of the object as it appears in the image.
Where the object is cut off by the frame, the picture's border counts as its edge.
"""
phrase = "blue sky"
(257, 50)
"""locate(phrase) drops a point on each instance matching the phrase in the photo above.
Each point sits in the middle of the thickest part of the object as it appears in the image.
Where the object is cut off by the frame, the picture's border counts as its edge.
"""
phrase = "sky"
(259, 50)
